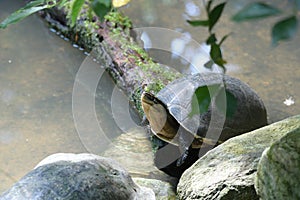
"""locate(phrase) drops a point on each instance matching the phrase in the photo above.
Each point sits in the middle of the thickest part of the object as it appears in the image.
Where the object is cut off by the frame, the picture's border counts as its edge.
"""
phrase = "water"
(38, 70)
(272, 72)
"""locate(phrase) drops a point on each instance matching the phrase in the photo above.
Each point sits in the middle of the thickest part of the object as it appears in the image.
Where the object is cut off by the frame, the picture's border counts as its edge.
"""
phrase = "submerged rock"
(133, 151)
(228, 171)
(77, 177)
(278, 172)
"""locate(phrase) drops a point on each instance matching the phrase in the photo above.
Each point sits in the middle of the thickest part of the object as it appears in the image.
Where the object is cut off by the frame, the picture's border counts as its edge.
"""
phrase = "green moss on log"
(131, 67)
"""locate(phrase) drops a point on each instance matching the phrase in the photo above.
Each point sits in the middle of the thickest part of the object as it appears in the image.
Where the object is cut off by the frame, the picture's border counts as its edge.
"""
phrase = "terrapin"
(169, 112)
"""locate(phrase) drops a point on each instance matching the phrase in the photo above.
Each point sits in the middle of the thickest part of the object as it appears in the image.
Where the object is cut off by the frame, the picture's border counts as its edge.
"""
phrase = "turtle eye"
(151, 97)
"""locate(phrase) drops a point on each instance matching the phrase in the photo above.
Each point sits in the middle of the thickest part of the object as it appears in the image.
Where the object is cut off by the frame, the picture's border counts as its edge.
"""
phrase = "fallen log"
(112, 42)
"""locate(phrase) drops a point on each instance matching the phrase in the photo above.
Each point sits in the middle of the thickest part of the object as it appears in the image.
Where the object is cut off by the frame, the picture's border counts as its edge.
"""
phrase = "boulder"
(77, 177)
(228, 171)
(162, 189)
(278, 171)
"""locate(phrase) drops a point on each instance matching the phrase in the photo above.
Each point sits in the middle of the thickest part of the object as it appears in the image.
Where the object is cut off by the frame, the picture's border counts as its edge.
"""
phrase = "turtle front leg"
(185, 139)
(182, 158)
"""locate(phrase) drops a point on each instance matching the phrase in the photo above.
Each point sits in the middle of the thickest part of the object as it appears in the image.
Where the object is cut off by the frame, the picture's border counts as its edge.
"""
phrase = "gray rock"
(228, 171)
(278, 171)
(163, 190)
(77, 177)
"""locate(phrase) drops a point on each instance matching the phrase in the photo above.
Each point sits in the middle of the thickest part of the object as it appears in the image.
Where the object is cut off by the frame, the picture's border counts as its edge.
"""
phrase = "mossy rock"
(227, 172)
(278, 172)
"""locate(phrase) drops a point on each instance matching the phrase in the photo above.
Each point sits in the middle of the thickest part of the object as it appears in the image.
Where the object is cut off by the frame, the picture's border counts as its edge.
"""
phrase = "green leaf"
(284, 29)
(202, 99)
(61, 4)
(34, 4)
(101, 7)
(208, 6)
(21, 14)
(216, 56)
(216, 53)
(231, 103)
(198, 22)
(215, 14)
(224, 38)
(211, 39)
(75, 10)
(255, 11)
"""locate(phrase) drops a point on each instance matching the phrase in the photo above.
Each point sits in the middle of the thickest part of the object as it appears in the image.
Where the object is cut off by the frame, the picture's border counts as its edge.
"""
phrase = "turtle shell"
(249, 112)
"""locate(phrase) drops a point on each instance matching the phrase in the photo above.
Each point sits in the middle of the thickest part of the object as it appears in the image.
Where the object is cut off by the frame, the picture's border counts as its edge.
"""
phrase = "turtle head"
(162, 123)
(155, 111)
(149, 100)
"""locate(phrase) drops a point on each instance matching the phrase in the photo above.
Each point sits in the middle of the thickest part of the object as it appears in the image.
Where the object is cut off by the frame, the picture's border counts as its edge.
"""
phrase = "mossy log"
(111, 42)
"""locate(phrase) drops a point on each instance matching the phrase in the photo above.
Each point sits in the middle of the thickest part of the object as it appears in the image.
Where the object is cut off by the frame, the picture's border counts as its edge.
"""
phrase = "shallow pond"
(38, 70)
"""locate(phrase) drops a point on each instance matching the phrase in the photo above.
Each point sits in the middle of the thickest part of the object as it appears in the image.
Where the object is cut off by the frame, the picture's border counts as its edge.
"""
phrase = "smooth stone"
(163, 190)
(227, 172)
(77, 177)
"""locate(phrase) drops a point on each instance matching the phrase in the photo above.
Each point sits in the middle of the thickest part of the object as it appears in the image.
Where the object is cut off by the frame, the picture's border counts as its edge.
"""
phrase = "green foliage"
(100, 8)
(255, 11)
(216, 55)
(117, 19)
(30, 8)
(75, 10)
(283, 29)
(200, 101)
(198, 22)
(213, 16)
(231, 103)
(204, 95)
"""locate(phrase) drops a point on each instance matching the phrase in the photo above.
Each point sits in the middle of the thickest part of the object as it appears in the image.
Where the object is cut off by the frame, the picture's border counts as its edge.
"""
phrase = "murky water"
(38, 69)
